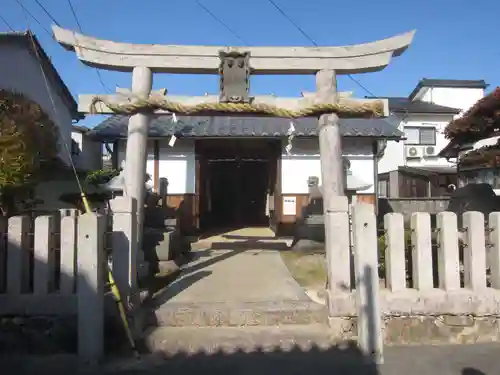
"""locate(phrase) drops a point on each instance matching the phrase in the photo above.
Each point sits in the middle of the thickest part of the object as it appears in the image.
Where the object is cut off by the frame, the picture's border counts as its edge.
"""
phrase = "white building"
(236, 171)
(86, 153)
(26, 69)
(412, 168)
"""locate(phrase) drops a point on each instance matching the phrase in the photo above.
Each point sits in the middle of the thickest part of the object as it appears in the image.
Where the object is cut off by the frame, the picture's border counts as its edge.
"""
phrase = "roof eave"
(454, 112)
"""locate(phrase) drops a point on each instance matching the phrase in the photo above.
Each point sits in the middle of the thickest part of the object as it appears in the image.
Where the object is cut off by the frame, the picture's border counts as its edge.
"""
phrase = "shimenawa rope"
(367, 109)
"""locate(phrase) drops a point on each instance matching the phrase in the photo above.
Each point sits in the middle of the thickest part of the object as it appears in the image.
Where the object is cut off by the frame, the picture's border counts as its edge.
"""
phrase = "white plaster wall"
(429, 120)
(90, 156)
(461, 98)
(176, 163)
(20, 72)
(395, 152)
(78, 138)
(304, 161)
(394, 155)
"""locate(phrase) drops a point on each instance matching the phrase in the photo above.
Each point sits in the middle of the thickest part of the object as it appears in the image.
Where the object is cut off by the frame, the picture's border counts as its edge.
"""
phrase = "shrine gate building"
(234, 171)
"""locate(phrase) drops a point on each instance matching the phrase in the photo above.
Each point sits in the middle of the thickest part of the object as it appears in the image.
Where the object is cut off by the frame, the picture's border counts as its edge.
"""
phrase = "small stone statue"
(312, 181)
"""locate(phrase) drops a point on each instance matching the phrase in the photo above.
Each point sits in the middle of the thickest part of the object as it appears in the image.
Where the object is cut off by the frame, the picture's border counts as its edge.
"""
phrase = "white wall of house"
(426, 151)
(304, 161)
(89, 156)
(177, 164)
(461, 98)
(394, 153)
(20, 72)
(398, 153)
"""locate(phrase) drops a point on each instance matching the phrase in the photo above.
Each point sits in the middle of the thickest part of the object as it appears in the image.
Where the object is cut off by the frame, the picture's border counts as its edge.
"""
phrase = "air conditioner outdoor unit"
(430, 151)
(413, 152)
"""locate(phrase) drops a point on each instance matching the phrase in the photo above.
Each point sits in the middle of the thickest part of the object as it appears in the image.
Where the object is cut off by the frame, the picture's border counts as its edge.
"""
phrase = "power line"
(307, 36)
(6, 23)
(47, 13)
(26, 11)
(106, 88)
(74, 15)
(290, 19)
(225, 25)
(34, 18)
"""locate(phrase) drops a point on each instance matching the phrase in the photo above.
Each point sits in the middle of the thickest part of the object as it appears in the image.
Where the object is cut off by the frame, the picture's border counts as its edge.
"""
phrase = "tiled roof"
(115, 127)
(406, 105)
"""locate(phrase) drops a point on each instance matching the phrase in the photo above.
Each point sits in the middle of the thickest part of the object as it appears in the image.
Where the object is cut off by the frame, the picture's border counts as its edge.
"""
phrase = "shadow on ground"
(343, 360)
(275, 360)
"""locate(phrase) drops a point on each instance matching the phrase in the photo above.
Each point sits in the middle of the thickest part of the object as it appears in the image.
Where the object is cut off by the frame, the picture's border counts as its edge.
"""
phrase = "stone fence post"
(124, 245)
(338, 255)
(370, 336)
(474, 251)
(90, 286)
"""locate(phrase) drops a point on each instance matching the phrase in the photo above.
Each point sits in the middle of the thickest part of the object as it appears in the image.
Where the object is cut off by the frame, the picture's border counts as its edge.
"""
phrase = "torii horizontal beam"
(358, 58)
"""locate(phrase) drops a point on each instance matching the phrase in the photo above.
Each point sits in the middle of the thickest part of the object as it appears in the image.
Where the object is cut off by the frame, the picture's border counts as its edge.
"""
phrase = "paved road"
(478, 359)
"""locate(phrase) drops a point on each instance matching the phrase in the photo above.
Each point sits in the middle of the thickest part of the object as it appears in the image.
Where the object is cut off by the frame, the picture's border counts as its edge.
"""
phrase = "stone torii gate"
(235, 65)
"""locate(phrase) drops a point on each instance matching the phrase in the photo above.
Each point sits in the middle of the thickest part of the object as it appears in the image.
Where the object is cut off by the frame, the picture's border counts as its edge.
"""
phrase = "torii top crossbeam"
(359, 58)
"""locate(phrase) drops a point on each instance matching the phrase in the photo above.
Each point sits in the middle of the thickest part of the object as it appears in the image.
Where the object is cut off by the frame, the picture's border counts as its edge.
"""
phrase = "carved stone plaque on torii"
(235, 65)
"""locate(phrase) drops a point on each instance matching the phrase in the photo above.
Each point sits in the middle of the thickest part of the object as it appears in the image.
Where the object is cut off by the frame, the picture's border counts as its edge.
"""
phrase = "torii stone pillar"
(137, 146)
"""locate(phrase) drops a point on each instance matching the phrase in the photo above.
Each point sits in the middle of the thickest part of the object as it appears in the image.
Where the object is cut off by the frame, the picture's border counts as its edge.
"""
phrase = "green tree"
(28, 140)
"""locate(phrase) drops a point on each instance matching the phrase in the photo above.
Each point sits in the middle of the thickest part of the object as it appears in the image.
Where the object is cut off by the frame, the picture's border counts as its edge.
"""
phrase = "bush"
(28, 139)
(101, 176)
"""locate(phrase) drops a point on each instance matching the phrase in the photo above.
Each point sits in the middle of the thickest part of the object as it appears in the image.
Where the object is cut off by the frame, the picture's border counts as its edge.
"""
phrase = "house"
(474, 143)
(86, 153)
(25, 68)
(245, 171)
(414, 168)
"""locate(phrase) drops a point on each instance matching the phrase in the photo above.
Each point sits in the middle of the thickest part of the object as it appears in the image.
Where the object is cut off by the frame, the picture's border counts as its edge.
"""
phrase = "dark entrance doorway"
(236, 180)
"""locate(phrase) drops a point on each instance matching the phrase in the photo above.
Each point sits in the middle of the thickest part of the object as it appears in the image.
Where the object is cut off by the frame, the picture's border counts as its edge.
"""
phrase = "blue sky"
(456, 39)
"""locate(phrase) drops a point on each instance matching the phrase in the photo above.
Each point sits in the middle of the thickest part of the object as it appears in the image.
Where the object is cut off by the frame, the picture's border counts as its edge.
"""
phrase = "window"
(383, 189)
(420, 135)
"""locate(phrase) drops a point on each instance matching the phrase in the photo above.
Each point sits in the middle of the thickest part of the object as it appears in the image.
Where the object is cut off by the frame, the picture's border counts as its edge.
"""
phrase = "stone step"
(209, 340)
(237, 314)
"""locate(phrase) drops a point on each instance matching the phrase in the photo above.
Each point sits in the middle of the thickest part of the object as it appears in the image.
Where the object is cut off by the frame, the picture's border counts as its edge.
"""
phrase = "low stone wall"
(441, 329)
(435, 317)
(442, 282)
(408, 206)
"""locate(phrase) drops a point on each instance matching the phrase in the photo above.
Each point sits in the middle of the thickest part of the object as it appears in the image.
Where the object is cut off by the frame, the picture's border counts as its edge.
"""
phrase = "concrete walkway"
(239, 266)
(235, 279)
